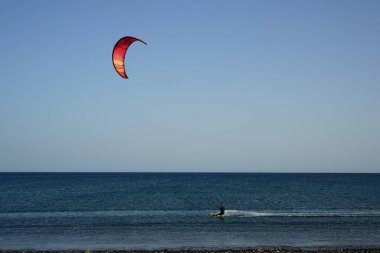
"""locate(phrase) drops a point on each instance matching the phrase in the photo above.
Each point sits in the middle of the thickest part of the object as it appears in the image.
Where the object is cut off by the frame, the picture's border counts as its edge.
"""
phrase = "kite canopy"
(118, 54)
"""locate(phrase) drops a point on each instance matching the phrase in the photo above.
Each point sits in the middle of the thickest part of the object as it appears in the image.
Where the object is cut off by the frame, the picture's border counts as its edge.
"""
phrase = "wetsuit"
(222, 209)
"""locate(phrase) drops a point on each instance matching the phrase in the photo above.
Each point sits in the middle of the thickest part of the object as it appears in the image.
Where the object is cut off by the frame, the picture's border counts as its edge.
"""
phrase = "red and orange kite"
(118, 54)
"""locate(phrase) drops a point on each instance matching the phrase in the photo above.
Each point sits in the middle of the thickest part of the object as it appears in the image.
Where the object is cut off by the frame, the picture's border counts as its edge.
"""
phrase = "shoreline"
(283, 249)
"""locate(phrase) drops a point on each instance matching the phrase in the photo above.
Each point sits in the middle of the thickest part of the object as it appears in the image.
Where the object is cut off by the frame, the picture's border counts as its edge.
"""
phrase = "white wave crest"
(342, 213)
(186, 213)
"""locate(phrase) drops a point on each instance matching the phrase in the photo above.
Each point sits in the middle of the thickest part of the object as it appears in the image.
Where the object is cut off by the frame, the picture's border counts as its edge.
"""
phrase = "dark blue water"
(171, 210)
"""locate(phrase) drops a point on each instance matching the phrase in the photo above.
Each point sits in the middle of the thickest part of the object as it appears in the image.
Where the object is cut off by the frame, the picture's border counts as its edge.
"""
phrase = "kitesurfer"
(221, 208)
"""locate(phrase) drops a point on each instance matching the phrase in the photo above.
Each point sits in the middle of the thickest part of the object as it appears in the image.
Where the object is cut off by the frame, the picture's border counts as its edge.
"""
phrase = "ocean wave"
(340, 213)
(196, 213)
(107, 213)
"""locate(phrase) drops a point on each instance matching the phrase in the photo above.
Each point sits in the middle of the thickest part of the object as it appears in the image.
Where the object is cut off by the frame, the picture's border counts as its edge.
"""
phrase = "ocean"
(63, 211)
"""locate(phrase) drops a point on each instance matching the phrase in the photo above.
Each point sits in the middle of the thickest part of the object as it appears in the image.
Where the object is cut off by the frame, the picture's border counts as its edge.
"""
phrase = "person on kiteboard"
(221, 208)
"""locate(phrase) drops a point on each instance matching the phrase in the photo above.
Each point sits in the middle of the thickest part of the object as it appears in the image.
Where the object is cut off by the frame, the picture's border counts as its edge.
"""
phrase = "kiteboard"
(216, 215)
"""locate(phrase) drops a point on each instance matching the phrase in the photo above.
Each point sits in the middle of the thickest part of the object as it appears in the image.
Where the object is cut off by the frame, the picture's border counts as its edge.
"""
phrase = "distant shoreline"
(237, 250)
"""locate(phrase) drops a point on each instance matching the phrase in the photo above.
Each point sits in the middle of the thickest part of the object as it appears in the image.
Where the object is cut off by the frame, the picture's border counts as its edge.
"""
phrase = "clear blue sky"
(268, 86)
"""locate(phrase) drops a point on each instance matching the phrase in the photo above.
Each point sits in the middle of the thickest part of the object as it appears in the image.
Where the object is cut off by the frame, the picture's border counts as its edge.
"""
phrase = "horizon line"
(192, 172)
